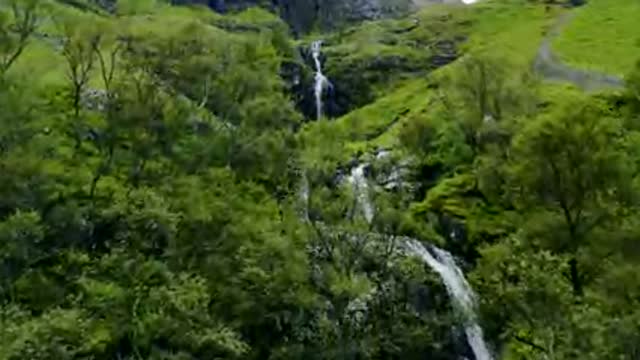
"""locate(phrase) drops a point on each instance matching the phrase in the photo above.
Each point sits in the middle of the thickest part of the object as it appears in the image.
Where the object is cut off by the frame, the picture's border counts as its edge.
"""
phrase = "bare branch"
(108, 69)
(17, 34)
(530, 343)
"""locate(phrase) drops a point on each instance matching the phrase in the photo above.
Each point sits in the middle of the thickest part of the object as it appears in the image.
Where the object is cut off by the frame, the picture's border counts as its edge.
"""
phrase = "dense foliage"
(150, 182)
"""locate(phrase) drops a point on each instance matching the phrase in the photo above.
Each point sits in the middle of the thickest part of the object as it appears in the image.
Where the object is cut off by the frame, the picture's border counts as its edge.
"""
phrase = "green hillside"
(602, 36)
(469, 191)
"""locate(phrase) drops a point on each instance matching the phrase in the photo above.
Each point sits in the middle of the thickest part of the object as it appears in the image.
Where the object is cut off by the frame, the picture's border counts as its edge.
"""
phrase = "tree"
(16, 28)
(79, 52)
(535, 313)
(483, 92)
(108, 60)
(632, 82)
(572, 166)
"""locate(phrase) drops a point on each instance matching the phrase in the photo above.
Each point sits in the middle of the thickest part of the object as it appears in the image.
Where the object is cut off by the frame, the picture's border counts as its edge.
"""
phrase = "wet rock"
(299, 83)
(421, 297)
(217, 5)
(94, 99)
(452, 229)
(460, 345)
(392, 174)
(108, 5)
(304, 92)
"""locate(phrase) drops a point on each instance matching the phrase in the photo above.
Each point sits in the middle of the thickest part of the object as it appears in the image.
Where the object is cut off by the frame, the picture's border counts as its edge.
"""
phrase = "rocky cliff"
(305, 15)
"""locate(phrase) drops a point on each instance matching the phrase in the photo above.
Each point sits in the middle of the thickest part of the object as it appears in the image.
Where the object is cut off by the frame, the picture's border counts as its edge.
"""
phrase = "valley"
(319, 179)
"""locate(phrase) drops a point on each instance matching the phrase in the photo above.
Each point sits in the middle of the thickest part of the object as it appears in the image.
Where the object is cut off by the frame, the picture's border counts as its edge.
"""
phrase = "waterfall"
(321, 81)
(361, 190)
(304, 196)
(458, 288)
(440, 261)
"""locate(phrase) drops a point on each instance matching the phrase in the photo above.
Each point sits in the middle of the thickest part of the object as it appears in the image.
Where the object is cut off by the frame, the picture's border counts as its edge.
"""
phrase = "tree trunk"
(576, 281)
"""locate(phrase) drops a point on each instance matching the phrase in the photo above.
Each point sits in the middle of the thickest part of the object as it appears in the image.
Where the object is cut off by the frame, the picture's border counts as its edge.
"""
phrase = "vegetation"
(153, 158)
(601, 36)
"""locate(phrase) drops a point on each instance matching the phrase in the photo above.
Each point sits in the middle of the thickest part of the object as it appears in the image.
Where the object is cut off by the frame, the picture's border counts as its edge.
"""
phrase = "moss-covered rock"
(365, 61)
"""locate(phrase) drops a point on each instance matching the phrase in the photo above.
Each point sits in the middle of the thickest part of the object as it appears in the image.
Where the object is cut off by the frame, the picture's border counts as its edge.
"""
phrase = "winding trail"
(551, 68)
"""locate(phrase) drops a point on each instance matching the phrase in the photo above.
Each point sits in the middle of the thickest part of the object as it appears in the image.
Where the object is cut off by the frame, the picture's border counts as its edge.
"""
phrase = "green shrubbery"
(150, 170)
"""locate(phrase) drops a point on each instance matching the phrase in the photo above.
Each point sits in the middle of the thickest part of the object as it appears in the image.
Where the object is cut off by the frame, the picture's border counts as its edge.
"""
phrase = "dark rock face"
(217, 5)
(460, 347)
(303, 15)
(305, 95)
(299, 81)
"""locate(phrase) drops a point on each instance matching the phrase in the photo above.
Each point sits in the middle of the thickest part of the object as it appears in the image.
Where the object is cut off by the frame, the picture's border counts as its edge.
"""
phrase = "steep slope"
(548, 65)
(156, 20)
(163, 198)
(392, 62)
(601, 36)
(307, 15)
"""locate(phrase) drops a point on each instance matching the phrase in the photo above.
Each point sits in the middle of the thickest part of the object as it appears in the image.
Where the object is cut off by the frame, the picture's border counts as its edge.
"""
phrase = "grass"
(377, 124)
(603, 35)
(129, 7)
(376, 56)
(43, 63)
(511, 28)
(371, 126)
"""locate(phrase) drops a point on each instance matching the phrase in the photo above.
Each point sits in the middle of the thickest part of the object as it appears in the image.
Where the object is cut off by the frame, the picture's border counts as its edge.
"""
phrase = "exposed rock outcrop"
(303, 15)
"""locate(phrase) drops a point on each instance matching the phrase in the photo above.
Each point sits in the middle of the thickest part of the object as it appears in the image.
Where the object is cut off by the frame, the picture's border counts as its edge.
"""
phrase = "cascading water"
(304, 196)
(440, 261)
(458, 288)
(321, 81)
(361, 190)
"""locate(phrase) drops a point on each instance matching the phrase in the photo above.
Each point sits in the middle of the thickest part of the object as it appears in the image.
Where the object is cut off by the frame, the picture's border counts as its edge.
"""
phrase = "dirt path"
(551, 68)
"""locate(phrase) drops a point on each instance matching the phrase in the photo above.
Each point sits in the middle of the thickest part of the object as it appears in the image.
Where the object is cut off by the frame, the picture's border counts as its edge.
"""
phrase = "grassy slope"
(510, 28)
(403, 46)
(41, 60)
(374, 125)
(43, 63)
(603, 35)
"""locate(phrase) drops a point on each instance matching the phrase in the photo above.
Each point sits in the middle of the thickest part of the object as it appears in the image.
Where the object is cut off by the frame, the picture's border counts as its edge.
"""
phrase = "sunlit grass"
(42, 64)
(603, 35)
(130, 7)
(513, 29)
(377, 124)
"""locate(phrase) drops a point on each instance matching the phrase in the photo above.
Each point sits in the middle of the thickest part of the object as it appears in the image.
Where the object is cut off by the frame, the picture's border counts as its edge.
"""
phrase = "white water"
(441, 261)
(321, 81)
(459, 290)
(304, 196)
(361, 189)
